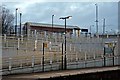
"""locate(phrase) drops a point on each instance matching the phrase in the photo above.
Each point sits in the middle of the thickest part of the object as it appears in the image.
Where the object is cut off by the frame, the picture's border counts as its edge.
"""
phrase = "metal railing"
(21, 54)
(34, 64)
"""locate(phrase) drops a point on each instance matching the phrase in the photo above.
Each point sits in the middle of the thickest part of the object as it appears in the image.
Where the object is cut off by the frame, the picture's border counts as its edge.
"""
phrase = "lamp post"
(52, 22)
(96, 20)
(20, 23)
(104, 26)
(16, 23)
(65, 61)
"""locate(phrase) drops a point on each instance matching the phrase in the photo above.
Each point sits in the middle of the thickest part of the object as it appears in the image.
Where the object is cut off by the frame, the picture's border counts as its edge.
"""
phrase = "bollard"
(10, 64)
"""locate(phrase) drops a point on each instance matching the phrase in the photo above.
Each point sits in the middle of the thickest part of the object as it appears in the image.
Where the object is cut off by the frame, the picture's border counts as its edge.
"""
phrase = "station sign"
(109, 46)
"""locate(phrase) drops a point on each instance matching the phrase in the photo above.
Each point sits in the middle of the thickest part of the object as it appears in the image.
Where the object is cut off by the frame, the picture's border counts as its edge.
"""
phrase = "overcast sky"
(83, 13)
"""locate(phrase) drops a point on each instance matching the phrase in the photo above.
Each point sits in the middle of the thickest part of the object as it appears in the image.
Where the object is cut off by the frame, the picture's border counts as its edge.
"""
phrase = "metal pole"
(16, 22)
(103, 26)
(90, 31)
(52, 22)
(20, 22)
(96, 20)
(43, 58)
(113, 55)
(104, 58)
(62, 57)
(65, 61)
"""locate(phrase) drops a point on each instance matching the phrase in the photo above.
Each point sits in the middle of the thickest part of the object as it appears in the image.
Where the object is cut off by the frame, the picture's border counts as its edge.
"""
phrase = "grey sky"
(83, 13)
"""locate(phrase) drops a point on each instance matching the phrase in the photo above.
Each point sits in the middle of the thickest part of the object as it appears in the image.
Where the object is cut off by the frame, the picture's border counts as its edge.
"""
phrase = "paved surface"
(45, 75)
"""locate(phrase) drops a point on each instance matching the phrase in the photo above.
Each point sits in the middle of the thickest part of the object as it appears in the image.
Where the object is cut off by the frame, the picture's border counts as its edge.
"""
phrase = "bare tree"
(7, 19)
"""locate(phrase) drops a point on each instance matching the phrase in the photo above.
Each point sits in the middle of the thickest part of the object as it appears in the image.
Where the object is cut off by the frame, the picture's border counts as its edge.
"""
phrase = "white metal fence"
(27, 52)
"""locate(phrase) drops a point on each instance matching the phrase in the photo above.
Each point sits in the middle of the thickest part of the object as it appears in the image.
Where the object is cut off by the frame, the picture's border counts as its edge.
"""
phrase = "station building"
(42, 28)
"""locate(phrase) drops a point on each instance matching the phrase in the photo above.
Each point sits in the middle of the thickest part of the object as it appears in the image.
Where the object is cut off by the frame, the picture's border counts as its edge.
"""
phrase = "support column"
(78, 33)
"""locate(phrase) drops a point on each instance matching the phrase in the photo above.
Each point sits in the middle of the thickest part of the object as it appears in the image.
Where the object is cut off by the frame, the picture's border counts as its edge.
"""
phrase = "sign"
(45, 45)
(109, 47)
(108, 50)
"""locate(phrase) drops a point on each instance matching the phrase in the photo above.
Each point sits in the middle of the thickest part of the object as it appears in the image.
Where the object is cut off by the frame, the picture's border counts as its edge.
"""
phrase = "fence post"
(32, 61)
(85, 59)
(35, 45)
(113, 55)
(22, 38)
(70, 47)
(104, 58)
(36, 37)
(6, 43)
(94, 59)
(62, 57)
(76, 60)
(41, 61)
(76, 57)
(10, 64)
(32, 34)
(51, 62)
(5, 37)
(28, 34)
(18, 43)
(43, 58)
(74, 48)
(20, 63)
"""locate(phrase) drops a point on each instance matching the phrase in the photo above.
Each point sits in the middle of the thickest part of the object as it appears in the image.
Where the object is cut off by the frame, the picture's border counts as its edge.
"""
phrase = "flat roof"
(50, 25)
